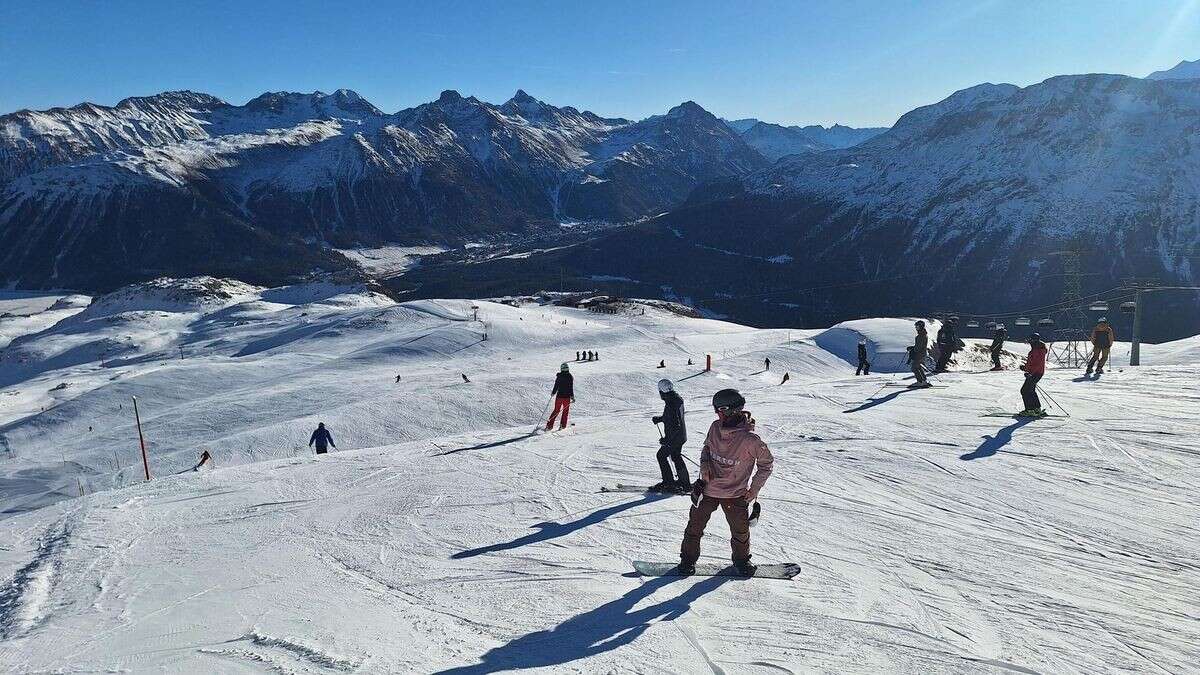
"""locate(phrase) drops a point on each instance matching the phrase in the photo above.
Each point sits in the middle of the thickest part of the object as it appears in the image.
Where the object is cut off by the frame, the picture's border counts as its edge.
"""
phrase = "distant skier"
(917, 354)
(1102, 341)
(564, 395)
(322, 438)
(731, 452)
(661, 364)
(998, 339)
(597, 355)
(397, 379)
(864, 366)
(690, 362)
(947, 343)
(577, 357)
(786, 377)
(671, 444)
(767, 363)
(1035, 368)
(464, 377)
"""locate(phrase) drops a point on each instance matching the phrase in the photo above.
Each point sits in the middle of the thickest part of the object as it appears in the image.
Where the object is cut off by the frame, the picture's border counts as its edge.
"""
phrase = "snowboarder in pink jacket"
(734, 465)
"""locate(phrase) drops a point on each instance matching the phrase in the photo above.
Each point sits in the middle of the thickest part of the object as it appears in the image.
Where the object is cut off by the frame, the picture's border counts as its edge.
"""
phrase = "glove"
(698, 492)
(1022, 367)
(755, 512)
(656, 419)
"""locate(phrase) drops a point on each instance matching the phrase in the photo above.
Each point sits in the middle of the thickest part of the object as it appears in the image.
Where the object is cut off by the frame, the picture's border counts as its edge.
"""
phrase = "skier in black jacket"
(998, 339)
(947, 342)
(564, 395)
(864, 366)
(671, 444)
(917, 355)
(322, 438)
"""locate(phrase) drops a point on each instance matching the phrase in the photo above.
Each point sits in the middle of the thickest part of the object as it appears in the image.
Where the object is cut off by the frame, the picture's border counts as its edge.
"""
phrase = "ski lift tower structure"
(1141, 287)
(1070, 346)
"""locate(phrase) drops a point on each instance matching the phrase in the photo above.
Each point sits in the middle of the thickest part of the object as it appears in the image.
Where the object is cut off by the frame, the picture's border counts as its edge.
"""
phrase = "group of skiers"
(734, 465)
(587, 355)
(948, 343)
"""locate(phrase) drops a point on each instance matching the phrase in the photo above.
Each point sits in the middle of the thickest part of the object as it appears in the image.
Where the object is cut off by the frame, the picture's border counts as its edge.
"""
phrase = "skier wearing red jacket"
(1035, 368)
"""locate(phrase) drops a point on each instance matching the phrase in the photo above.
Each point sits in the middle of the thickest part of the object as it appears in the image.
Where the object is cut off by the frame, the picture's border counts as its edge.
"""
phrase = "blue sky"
(859, 63)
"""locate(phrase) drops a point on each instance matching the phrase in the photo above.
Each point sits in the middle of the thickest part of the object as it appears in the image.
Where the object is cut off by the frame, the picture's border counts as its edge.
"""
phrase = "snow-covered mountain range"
(91, 196)
(963, 204)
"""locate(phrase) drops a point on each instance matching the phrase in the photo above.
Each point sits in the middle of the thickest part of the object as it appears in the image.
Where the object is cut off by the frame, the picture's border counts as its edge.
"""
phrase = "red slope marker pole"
(141, 438)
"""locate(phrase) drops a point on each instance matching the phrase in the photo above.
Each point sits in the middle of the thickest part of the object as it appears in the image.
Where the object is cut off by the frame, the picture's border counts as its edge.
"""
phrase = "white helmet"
(664, 385)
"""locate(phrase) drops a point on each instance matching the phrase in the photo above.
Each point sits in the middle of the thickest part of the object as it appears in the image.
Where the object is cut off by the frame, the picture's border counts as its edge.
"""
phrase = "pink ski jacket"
(729, 457)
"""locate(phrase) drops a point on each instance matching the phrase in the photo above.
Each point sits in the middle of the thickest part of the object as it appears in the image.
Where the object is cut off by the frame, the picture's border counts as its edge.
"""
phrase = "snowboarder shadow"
(552, 530)
(872, 402)
(604, 628)
(493, 444)
(992, 444)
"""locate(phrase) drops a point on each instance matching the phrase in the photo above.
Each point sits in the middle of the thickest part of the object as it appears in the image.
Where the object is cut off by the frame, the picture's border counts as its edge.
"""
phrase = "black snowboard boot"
(662, 487)
(745, 567)
(683, 487)
(687, 569)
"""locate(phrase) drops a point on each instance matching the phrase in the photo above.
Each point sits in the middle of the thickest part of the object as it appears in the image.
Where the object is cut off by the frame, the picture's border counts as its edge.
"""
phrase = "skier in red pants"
(564, 395)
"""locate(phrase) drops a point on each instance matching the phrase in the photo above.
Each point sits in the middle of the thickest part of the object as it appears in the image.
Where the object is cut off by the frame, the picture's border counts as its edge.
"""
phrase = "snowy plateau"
(442, 534)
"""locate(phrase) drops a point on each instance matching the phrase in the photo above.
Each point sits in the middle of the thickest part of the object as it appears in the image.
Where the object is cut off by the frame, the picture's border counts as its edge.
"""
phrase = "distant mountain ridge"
(776, 140)
(1185, 70)
(94, 196)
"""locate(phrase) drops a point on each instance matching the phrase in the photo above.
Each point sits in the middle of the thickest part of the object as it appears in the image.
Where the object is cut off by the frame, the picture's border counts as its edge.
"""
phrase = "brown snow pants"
(737, 513)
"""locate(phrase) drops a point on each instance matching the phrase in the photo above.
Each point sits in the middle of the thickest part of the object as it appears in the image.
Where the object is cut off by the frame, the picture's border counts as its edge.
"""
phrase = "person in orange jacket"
(1102, 341)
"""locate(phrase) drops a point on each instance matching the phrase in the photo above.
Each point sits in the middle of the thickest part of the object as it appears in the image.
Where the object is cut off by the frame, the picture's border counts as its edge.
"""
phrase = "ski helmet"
(920, 324)
(1104, 319)
(564, 368)
(862, 342)
(664, 385)
(1035, 337)
(728, 400)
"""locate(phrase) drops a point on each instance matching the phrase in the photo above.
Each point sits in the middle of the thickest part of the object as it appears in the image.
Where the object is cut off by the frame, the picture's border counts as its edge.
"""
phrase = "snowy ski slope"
(444, 536)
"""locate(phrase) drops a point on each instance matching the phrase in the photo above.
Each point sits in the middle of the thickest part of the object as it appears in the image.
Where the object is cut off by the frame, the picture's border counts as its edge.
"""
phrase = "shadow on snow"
(551, 530)
(493, 444)
(607, 627)
(992, 444)
(872, 402)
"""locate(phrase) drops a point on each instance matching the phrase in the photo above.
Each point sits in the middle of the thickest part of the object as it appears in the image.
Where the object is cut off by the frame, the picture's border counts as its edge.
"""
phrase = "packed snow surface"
(443, 535)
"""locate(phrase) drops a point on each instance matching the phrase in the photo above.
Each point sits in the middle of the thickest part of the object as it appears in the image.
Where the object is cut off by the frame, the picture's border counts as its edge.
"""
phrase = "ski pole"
(660, 432)
(544, 411)
(1052, 401)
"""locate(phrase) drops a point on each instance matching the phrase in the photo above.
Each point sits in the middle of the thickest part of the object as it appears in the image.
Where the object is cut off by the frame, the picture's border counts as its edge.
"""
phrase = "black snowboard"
(639, 489)
(782, 571)
(1023, 417)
